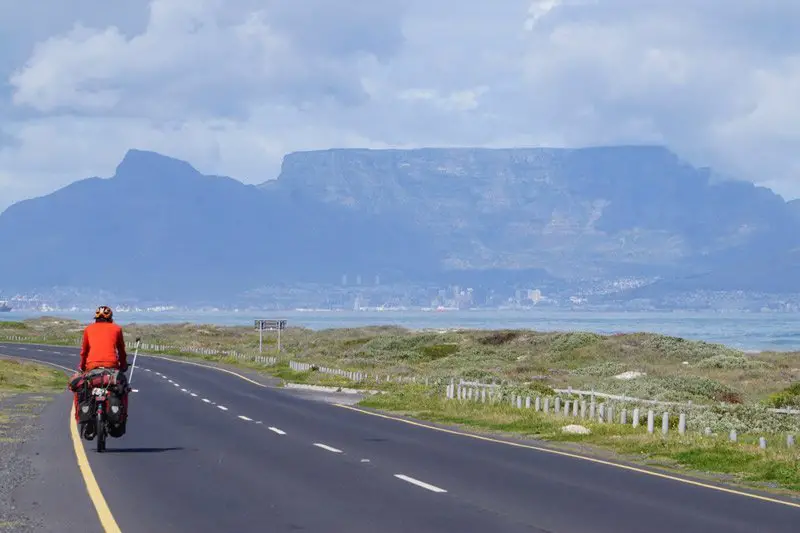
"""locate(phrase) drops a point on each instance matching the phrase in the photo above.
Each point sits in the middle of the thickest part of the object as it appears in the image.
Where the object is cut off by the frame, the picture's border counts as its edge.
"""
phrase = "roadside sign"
(263, 325)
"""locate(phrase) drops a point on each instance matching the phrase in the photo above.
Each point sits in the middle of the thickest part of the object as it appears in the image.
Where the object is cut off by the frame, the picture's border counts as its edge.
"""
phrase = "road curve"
(207, 451)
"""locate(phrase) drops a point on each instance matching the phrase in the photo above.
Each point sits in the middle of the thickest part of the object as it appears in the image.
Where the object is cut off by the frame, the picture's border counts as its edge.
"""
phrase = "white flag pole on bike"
(135, 353)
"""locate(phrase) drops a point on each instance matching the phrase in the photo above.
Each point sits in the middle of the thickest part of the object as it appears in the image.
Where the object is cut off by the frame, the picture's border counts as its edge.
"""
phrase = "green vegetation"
(788, 397)
(18, 379)
(22, 376)
(540, 360)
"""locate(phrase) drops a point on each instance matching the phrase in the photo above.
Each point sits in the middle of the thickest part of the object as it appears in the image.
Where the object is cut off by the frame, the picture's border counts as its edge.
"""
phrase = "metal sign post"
(263, 325)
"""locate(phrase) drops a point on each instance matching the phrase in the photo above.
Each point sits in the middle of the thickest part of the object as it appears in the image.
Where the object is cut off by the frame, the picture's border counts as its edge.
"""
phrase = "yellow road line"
(573, 456)
(100, 505)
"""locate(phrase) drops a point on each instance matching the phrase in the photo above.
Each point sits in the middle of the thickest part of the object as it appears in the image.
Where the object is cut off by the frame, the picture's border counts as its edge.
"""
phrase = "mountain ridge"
(558, 199)
(511, 216)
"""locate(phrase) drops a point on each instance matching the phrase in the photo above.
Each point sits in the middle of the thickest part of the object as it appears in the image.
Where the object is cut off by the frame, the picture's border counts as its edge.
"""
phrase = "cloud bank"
(232, 85)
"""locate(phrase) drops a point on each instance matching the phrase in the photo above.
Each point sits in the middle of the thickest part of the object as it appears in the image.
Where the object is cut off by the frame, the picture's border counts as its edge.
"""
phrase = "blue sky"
(232, 85)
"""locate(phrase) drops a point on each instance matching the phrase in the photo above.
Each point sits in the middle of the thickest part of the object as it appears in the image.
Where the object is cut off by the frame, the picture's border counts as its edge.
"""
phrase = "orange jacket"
(103, 346)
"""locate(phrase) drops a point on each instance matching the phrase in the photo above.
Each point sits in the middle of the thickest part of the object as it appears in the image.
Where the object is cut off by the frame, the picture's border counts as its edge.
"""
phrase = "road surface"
(208, 451)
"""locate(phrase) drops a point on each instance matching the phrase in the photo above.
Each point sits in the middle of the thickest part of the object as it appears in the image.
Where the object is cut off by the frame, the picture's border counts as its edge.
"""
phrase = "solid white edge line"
(326, 447)
(419, 483)
(222, 407)
(276, 430)
(245, 418)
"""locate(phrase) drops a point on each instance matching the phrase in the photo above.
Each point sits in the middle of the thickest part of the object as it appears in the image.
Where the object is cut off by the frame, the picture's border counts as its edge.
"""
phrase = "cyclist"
(103, 347)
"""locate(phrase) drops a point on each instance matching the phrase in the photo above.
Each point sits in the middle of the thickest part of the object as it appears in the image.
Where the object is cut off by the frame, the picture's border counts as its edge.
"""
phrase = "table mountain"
(607, 211)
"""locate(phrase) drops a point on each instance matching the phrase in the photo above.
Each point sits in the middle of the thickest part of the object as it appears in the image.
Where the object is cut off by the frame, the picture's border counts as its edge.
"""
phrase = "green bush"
(437, 351)
(702, 387)
(355, 343)
(787, 398)
(566, 342)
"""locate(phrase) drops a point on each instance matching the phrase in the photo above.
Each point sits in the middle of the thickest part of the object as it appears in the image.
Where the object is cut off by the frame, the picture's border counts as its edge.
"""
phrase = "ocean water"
(744, 331)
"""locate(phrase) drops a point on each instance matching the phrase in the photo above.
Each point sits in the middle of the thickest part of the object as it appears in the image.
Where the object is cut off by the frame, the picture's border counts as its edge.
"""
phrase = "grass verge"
(23, 376)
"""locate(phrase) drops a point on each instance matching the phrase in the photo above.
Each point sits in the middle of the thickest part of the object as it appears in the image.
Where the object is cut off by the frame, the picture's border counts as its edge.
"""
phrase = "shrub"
(787, 398)
(565, 342)
(678, 348)
(496, 338)
(354, 343)
(437, 351)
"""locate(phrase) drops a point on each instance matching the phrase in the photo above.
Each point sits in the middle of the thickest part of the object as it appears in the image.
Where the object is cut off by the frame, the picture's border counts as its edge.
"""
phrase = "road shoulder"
(49, 494)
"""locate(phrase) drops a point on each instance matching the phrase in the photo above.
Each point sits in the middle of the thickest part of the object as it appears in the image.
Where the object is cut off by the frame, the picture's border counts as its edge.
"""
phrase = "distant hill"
(475, 217)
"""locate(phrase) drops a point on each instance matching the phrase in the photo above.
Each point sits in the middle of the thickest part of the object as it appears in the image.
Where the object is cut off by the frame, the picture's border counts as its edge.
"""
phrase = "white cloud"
(232, 85)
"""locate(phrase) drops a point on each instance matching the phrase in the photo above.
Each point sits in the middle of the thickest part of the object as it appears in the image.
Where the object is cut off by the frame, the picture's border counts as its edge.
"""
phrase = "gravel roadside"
(19, 423)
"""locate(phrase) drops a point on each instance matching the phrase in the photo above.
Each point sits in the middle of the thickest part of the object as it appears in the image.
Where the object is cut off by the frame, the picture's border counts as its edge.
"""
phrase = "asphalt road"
(207, 451)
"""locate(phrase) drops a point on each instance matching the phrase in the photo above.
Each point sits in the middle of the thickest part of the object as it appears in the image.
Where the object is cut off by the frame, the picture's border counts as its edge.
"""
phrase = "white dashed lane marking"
(279, 431)
(326, 447)
(419, 483)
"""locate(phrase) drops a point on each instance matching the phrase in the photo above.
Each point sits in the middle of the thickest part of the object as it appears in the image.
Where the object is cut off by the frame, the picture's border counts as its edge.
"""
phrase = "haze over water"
(745, 331)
